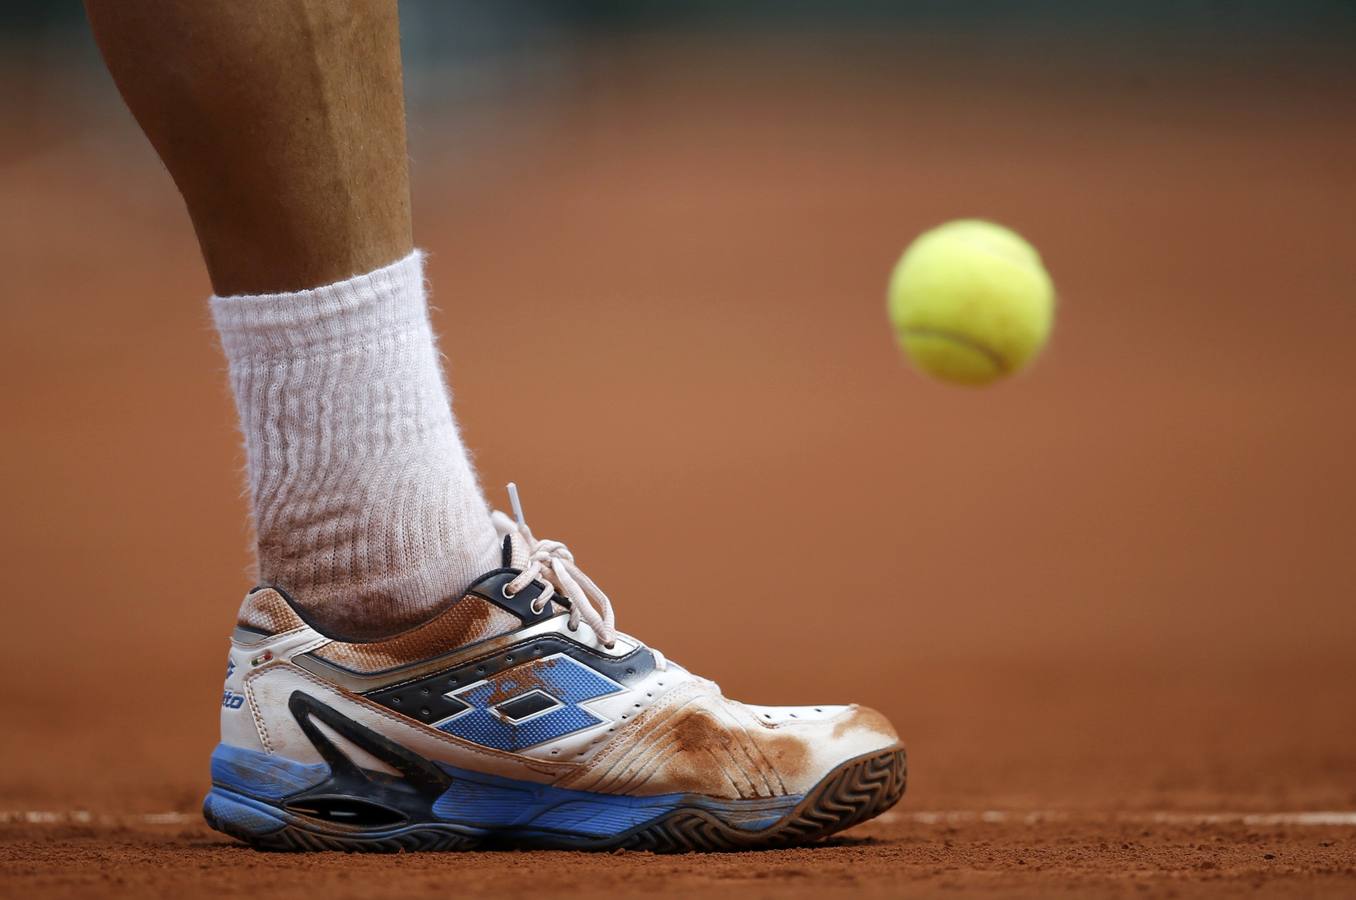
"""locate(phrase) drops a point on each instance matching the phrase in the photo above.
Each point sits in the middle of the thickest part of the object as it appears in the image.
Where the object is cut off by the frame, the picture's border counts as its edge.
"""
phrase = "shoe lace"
(552, 563)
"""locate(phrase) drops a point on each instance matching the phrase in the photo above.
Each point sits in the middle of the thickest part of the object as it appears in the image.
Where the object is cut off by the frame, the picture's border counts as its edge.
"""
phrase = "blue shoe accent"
(525, 808)
(239, 816)
(491, 801)
(270, 828)
(251, 789)
(258, 774)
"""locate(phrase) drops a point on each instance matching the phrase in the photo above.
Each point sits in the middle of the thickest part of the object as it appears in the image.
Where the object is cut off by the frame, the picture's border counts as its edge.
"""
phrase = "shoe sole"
(855, 791)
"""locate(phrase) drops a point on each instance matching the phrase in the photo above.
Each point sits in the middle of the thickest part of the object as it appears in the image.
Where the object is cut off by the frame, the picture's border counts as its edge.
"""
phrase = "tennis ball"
(971, 302)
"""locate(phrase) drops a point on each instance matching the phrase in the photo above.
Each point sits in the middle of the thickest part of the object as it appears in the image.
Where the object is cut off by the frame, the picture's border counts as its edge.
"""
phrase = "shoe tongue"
(515, 552)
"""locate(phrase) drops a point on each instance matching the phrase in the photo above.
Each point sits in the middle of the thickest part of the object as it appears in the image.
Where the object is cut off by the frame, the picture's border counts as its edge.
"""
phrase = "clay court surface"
(1109, 605)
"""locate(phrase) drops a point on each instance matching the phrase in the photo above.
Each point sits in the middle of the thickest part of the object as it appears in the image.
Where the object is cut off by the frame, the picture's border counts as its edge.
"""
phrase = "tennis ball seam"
(992, 355)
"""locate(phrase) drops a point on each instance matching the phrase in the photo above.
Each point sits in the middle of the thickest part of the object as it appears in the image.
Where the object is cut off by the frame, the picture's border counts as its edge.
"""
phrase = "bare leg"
(282, 123)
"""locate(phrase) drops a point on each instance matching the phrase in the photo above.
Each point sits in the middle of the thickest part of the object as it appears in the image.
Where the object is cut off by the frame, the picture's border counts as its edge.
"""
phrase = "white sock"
(366, 508)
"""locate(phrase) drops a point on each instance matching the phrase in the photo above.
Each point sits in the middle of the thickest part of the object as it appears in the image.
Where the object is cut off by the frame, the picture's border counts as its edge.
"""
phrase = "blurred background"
(1124, 579)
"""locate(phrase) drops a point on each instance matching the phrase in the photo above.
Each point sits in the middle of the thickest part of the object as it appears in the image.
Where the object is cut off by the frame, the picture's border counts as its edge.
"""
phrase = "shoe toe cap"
(806, 746)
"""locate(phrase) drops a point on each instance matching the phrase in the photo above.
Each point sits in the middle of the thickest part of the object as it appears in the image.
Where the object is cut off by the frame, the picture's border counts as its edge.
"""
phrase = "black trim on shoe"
(357, 796)
(490, 586)
(427, 698)
(325, 630)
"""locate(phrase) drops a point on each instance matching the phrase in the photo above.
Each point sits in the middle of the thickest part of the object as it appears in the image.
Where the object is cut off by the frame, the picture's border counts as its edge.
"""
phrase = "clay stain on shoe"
(788, 753)
(265, 610)
(696, 744)
(466, 621)
(522, 680)
(864, 718)
(704, 756)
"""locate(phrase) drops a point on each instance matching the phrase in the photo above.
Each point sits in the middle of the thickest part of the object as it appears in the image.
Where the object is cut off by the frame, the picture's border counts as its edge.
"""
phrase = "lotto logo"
(232, 700)
(529, 704)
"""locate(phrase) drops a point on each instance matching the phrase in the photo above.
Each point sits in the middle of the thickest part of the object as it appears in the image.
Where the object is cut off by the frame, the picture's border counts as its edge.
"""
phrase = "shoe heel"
(271, 829)
(254, 798)
(240, 817)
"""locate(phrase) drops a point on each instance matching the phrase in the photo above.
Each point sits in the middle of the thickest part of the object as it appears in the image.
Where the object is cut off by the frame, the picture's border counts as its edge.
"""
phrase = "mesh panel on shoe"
(468, 620)
(265, 610)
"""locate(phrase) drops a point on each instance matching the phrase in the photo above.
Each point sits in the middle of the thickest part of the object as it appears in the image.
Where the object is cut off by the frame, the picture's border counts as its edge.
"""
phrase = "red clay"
(877, 860)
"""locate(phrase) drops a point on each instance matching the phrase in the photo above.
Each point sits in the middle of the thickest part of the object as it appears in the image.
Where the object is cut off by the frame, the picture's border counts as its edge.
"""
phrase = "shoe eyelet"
(507, 594)
(611, 646)
(537, 610)
(572, 627)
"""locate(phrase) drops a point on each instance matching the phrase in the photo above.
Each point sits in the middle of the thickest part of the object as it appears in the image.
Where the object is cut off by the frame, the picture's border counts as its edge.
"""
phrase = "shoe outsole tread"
(856, 791)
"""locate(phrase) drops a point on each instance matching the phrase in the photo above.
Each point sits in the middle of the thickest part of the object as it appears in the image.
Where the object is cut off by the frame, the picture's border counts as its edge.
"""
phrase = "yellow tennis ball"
(971, 302)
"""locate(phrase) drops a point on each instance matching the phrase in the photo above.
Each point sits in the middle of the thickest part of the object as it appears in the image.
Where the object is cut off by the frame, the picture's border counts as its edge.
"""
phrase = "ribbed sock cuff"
(323, 319)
